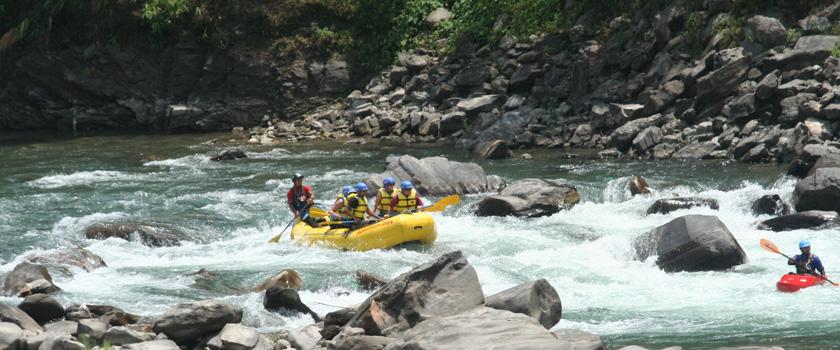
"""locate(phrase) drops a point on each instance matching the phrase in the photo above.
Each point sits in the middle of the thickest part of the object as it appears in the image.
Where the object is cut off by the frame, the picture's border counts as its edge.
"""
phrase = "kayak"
(388, 233)
(792, 282)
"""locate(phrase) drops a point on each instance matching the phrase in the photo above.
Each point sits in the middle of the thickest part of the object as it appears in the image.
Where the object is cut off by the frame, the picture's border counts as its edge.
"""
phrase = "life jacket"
(406, 202)
(359, 211)
(385, 202)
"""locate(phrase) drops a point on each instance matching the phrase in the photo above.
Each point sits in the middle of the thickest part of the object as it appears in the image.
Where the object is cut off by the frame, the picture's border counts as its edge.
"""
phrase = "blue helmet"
(346, 190)
(804, 244)
(388, 181)
(406, 185)
(361, 186)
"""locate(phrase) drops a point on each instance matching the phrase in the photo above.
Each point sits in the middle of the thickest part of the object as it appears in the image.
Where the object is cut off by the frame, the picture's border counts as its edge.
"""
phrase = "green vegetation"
(793, 35)
(730, 30)
(693, 33)
(835, 51)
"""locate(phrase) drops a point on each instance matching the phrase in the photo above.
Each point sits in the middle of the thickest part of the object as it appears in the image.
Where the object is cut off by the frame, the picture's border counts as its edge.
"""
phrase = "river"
(52, 187)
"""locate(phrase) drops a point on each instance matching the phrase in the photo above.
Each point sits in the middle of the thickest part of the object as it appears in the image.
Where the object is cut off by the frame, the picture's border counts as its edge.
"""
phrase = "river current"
(51, 188)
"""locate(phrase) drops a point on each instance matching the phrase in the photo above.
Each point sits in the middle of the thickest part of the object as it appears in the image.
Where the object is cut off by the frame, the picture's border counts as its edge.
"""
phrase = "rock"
(820, 191)
(638, 185)
(122, 336)
(757, 154)
(496, 149)
(722, 82)
(486, 103)
(647, 138)
(94, 328)
(71, 257)
(150, 235)
(339, 317)
(766, 30)
(811, 219)
(64, 342)
(667, 205)
(451, 123)
(580, 340)
(188, 322)
(286, 300)
(11, 336)
(622, 137)
(741, 107)
(609, 153)
(583, 133)
(529, 198)
(696, 150)
(440, 14)
(230, 154)
(809, 50)
(537, 299)
(306, 337)
(414, 63)
(435, 176)
(472, 76)
(287, 278)
(42, 308)
(770, 205)
(523, 78)
(62, 327)
(805, 160)
(238, 337)
(369, 281)
(691, 243)
(164, 344)
(363, 342)
(15, 315)
(476, 328)
(447, 285)
(27, 278)
(767, 86)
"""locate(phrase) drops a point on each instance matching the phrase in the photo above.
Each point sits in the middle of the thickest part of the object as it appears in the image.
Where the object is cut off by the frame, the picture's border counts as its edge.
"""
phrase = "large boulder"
(42, 308)
(93, 328)
(770, 204)
(722, 82)
(767, 30)
(529, 198)
(806, 159)
(286, 300)
(151, 235)
(287, 278)
(436, 176)
(186, 323)
(446, 285)
(27, 278)
(477, 329)
(667, 205)
(238, 337)
(809, 50)
(691, 243)
(15, 315)
(811, 219)
(820, 191)
(481, 104)
(363, 342)
(122, 335)
(496, 149)
(163, 344)
(63, 259)
(10, 335)
(537, 299)
(623, 136)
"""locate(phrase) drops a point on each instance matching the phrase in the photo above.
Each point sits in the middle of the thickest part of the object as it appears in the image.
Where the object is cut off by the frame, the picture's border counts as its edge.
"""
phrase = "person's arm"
(336, 206)
(378, 200)
(310, 196)
(419, 203)
(819, 266)
(291, 202)
(792, 261)
(394, 201)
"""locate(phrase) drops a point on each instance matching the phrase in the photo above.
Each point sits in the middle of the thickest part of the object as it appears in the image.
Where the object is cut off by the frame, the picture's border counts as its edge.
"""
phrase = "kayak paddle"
(305, 215)
(771, 247)
(443, 203)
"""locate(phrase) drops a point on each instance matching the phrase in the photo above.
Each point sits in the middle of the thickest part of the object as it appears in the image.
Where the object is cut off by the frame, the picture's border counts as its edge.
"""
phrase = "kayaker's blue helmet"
(346, 190)
(406, 185)
(804, 244)
(388, 181)
(361, 186)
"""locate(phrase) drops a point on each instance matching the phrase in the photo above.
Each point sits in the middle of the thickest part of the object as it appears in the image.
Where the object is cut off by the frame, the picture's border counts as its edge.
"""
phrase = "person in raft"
(300, 198)
(357, 204)
(340, 205)
(384, 196)
(406, 200)
(807, 263)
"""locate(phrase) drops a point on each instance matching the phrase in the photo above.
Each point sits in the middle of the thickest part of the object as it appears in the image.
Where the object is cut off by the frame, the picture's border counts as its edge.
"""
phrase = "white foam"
(87, 178)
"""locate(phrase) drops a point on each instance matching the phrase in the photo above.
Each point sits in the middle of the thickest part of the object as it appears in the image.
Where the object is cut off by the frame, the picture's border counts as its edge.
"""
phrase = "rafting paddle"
(303, 216)
(443, 203)
(771, 247)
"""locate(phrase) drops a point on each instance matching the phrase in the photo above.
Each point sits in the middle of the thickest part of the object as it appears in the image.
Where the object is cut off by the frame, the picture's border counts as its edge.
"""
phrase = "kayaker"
(384, 195)
(299, 197)
(338, 208)
(357, 204)
(807, 263)
(406, 200)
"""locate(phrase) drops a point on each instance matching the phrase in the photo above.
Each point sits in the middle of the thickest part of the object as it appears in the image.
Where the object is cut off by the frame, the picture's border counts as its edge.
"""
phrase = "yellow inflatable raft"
(400, 229)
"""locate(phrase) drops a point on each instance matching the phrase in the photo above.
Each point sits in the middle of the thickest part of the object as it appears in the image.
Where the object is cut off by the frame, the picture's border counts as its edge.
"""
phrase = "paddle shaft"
(302, 217)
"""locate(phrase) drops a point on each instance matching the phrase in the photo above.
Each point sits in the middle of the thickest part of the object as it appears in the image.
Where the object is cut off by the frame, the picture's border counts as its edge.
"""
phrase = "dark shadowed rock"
(476, 328)
(70, 257)
(667, 205)
(496, 149)
(15, 315)
(230, 154)
(339, 317)
(42, 308)
(691, 243)
(446, 285)
(436, 176)
(805, 160)
(187, 323)
(151, 235)
(812, 219)
(623, 136)
(27, 278)
(809, 50)
(529, 198)
(770, 204)
(723, 81)
(638, 185)
(767, 30)
(537, 299)
(286, 300)
(820, 191)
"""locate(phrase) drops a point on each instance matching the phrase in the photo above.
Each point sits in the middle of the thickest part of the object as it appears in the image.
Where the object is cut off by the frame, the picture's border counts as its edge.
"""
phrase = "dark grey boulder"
(623, 136)
(667, 205)
(647, 138)
(812, 219)
(767, 30)
(529, 198)
(537, 299)
(496, 149)
(806, 159)
(339, 317)
(27, 278)
(691, 243)
(720, 83)
(151, 235)
(446, 285)
(286, 300)
(42, 308)
(486, 103)
(187, 323)
(15, 315)
(230, 154)
(122, 335)
(809, 50)
(820, 191)
(436, 176)
(696, 150)
(770, 204)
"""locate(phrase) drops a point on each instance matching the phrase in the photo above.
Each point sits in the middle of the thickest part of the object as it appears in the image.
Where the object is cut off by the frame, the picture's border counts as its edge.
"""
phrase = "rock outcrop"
(436, 176)
(691, 243)
(529, 198)
(151, 235)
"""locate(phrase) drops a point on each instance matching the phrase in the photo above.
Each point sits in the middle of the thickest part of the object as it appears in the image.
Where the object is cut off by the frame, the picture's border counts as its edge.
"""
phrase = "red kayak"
(792, 282)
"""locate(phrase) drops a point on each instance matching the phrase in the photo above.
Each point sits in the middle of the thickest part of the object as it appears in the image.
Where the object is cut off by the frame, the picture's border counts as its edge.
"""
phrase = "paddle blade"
(769, 246)
(443, 203)
(275, 239)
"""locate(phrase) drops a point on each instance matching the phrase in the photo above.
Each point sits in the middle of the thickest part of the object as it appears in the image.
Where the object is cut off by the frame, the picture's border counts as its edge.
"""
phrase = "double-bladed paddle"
(771, 247)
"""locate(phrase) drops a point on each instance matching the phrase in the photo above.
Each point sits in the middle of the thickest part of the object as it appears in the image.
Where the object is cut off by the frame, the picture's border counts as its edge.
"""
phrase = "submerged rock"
(230, 154)
(691, 243)
(287, 278)
(770, 204)
(369, 281)
(529, 198)
(811, 219)
(638, 185)
(286, 300)
(496, 149)
(150, 235)
(63, 259)
(27, 278)
(667, 205)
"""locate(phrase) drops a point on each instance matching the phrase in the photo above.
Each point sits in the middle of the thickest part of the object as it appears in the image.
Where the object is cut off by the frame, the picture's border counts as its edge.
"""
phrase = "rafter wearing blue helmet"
(384, 195)
(357, 203)
(406, 200)
(807, 263)
(340, 205)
